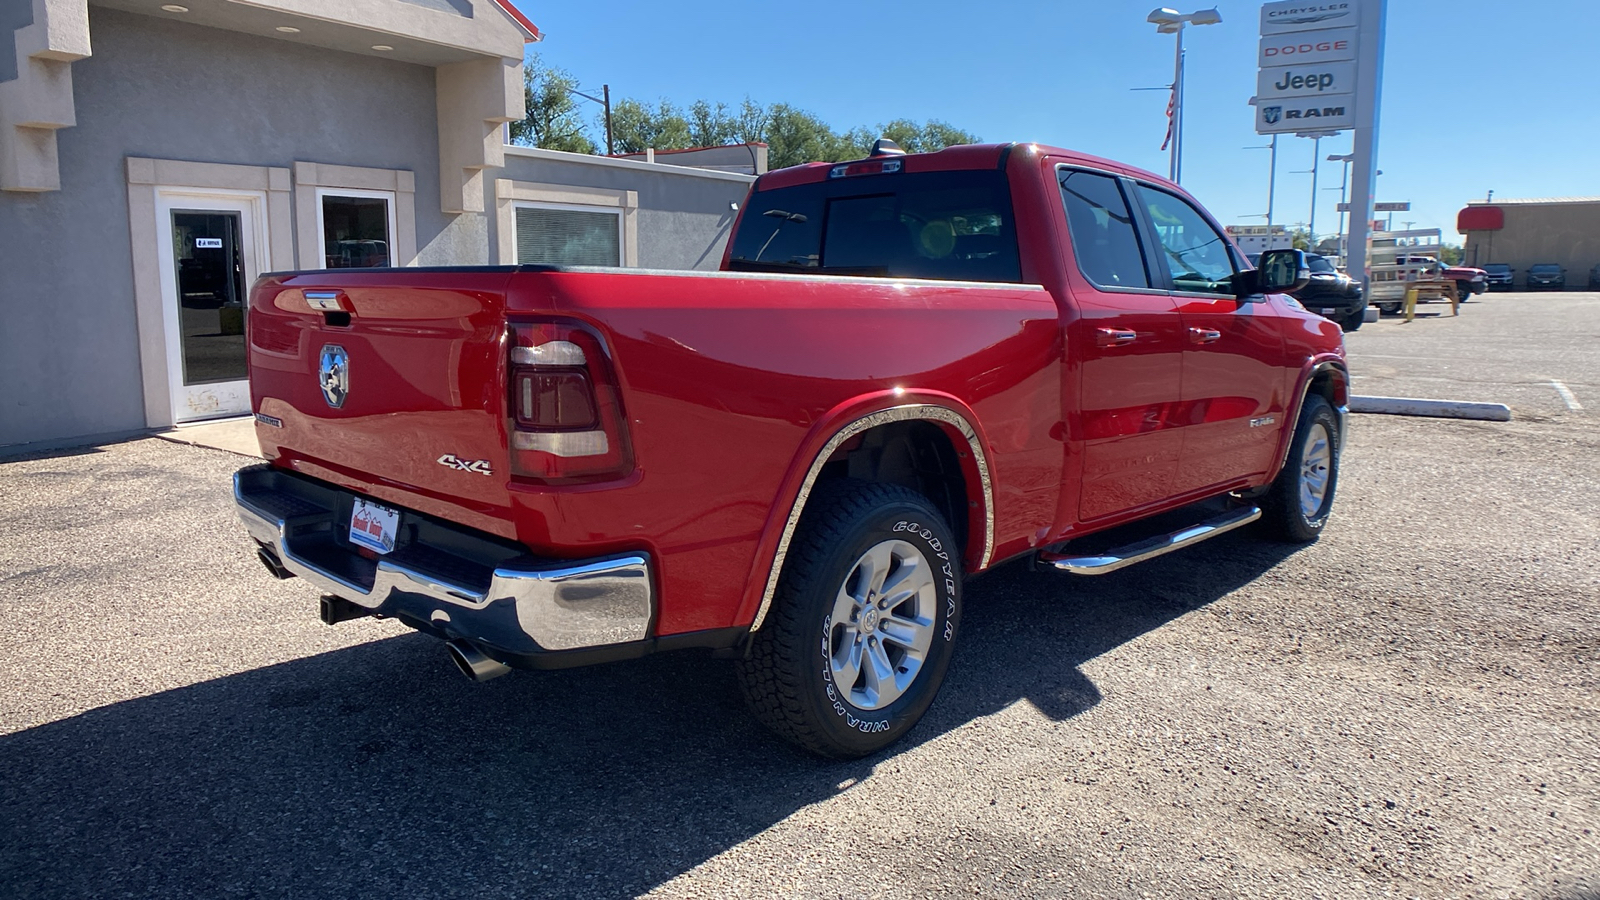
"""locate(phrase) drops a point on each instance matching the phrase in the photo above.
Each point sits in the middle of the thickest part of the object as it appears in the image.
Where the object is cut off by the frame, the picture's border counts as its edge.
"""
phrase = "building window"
(356, 228)
(568, 235)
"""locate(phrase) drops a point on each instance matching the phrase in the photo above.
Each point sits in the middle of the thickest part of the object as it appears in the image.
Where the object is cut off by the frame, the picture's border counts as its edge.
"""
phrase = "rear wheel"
(1297, 506)
(1389, 309)
(862, 625)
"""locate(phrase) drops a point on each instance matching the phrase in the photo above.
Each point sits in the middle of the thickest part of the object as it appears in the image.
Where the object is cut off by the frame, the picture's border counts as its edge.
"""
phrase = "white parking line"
(1567, 397)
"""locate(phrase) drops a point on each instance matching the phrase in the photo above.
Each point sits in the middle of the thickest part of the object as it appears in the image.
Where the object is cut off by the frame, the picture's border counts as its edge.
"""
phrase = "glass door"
(206, 277)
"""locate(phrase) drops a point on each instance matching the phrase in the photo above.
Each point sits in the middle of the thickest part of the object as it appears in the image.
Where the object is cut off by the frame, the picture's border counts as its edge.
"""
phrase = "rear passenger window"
(1198, 258)
(1104, 238)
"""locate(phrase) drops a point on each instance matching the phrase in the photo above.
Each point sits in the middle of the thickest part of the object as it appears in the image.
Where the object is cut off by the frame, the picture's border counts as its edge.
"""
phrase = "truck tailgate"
(388, 382)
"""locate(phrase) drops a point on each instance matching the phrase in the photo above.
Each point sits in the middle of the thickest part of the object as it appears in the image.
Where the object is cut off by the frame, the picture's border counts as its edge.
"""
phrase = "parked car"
(1547, 277)
(1469, 280)
(1499, 276)
(1333, 294)
(793, 462)
(1594, 278)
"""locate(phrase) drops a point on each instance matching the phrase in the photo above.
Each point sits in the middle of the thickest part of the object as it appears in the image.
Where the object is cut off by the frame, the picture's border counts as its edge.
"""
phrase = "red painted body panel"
(732, 383)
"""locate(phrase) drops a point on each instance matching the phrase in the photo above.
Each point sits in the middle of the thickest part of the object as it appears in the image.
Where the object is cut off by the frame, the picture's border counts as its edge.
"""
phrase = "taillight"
(566, 419)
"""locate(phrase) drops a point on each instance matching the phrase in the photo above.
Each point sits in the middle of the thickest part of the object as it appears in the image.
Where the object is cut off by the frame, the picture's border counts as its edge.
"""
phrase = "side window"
(1196, 255)
(1104, 238)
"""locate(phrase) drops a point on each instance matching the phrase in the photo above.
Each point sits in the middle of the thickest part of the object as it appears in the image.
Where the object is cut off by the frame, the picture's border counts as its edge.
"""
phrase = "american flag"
(1172, 102)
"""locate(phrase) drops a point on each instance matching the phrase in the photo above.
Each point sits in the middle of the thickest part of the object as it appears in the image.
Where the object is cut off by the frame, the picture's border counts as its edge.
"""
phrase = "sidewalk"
(236, 435)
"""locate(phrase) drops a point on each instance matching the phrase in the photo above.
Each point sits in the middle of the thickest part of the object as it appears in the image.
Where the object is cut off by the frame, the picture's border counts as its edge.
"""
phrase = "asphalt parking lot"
(1407, 708)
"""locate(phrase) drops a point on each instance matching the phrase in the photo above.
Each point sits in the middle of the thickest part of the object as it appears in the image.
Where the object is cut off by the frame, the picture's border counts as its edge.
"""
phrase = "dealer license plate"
(373, 526)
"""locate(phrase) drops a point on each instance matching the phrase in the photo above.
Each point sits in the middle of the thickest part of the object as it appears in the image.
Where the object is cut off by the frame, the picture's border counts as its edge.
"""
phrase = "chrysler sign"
(1278, 18)
(1328, 113)
(1308, 47)
(1305, 81)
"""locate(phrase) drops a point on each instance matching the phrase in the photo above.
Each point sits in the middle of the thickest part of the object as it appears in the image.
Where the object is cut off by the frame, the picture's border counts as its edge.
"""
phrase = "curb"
(1439, 409)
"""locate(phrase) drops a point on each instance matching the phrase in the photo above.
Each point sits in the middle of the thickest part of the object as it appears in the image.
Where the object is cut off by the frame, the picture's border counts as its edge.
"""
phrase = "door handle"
(1114, 337)
(1204, 335)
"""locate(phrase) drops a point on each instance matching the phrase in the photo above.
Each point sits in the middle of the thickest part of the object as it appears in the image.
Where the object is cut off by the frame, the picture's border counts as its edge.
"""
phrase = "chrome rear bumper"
(446, 579)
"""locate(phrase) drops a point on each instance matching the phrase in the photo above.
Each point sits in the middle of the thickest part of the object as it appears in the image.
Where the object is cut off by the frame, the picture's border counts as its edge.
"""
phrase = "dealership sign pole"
(1321, 68)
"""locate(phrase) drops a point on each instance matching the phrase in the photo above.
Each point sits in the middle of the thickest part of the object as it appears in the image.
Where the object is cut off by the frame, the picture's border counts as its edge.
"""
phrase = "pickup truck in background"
(912, 369)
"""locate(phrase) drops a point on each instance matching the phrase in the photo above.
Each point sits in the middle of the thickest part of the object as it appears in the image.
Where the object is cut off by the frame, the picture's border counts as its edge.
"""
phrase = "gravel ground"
(1406, 709)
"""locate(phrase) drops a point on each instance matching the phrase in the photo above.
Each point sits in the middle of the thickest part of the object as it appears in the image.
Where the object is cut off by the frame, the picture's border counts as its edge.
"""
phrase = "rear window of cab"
(951, 226)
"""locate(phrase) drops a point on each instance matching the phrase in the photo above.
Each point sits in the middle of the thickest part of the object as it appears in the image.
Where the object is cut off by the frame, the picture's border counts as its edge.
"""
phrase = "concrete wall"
(69, 352)
(1565, 233)
(684, 214)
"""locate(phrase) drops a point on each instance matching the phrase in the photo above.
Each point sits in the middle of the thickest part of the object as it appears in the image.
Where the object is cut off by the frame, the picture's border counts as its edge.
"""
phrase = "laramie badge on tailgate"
(333, 373)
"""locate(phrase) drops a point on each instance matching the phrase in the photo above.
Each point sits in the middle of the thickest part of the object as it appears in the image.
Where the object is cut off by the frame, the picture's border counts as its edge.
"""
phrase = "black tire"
(1463, 290)
(788, 677)
(1353, 320)
(1282, 509)
(1390, 309)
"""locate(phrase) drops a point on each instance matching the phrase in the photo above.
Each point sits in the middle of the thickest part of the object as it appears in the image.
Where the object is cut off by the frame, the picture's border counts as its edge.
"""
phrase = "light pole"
(1170, 21)
(1272, 179)
(1344, 183)
(604, 100)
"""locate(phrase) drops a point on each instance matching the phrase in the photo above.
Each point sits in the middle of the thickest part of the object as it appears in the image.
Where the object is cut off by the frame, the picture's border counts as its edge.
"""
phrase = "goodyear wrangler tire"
(1297, 506)
(861, 628)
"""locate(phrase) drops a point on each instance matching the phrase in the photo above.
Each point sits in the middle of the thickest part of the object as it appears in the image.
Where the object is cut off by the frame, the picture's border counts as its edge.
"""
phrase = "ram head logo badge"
(1272, 114)
(333, 374)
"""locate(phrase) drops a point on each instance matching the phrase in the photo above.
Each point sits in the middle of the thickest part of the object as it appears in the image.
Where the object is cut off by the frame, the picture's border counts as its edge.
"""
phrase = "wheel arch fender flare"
(1322, 369)
(827, 435)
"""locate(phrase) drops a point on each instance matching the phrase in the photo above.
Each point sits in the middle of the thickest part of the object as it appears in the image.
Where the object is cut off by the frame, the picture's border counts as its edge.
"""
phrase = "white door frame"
(228, 398)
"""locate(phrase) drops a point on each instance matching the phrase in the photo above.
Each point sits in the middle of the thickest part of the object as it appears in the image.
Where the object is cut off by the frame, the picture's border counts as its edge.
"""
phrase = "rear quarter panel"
(731, 382)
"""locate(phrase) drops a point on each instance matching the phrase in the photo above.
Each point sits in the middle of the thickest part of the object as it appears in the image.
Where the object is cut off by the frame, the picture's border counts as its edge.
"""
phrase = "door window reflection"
(211, 292)
(355, 232)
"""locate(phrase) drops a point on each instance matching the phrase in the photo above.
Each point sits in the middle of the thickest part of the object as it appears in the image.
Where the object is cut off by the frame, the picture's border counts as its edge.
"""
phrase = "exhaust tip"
(270, 560)
(473, 663)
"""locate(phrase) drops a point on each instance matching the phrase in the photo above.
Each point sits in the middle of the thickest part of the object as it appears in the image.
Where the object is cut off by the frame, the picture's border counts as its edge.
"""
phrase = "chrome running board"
(1150, 548)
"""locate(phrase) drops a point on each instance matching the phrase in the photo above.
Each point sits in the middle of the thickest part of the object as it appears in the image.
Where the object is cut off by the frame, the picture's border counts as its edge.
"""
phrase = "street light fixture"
(1170, 21)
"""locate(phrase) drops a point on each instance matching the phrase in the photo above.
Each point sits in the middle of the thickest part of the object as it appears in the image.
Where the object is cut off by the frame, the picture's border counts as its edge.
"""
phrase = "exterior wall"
(1567, 234)
(683, 215)
(154, 88)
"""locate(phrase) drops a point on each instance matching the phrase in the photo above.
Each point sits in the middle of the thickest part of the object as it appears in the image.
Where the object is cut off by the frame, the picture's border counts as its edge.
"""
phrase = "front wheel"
(1297, 505)
(862, 625)
(1353, 320)
(1463, 290)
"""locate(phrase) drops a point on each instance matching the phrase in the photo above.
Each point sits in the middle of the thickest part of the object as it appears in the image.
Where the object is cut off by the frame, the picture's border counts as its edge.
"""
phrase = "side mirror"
(1281, 272)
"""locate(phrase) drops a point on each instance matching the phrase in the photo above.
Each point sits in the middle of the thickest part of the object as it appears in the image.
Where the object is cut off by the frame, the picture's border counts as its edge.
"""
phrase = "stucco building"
(156, 157)
(1523, 233)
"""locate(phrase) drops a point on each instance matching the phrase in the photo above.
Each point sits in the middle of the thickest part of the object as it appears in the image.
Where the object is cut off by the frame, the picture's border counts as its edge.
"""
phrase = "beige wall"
(1567, 234)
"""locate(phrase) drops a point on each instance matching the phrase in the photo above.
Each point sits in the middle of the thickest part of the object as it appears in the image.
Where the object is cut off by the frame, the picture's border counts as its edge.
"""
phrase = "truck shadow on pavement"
(378, 771)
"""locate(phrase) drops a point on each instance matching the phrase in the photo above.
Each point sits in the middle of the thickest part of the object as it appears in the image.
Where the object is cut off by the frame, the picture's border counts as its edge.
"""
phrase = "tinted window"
(944, 225)
(355, 232)
(1195, 253)
(1104, 238)
(1545, 269)
(1497, 268)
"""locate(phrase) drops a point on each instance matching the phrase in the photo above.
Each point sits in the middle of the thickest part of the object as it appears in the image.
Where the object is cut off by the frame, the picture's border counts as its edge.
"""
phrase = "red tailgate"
(388, 382)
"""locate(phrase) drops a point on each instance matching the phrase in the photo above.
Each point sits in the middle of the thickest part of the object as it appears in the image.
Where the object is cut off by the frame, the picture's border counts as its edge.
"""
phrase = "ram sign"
(1329, 113)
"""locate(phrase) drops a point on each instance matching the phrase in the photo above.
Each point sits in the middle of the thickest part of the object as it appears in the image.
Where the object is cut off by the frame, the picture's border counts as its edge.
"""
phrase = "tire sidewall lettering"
(879, 721)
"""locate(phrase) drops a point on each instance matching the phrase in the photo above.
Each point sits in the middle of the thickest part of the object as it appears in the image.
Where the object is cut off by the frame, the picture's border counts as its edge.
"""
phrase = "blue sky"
(1474, 97)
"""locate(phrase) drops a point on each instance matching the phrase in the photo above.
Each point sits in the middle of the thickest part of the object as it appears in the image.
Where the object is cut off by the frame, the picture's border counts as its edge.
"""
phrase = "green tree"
(1450, 254)
(636, 127)
(553, 120)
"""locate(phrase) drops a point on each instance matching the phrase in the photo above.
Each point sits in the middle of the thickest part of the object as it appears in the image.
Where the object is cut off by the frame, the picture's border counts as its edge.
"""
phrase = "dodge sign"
(1308, 47)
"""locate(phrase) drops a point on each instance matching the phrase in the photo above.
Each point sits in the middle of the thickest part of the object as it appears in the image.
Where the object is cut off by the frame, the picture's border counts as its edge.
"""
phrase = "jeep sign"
(1328, 113)
(1308, 47)
(1305, 81)
(1297, 15)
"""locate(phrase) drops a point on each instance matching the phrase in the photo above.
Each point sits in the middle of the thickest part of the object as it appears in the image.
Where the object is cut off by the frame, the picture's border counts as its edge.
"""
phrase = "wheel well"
(914, 454)
(1329, 381)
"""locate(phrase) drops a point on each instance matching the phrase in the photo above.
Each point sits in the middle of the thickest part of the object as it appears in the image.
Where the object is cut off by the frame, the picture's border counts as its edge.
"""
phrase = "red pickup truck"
(911, 369)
